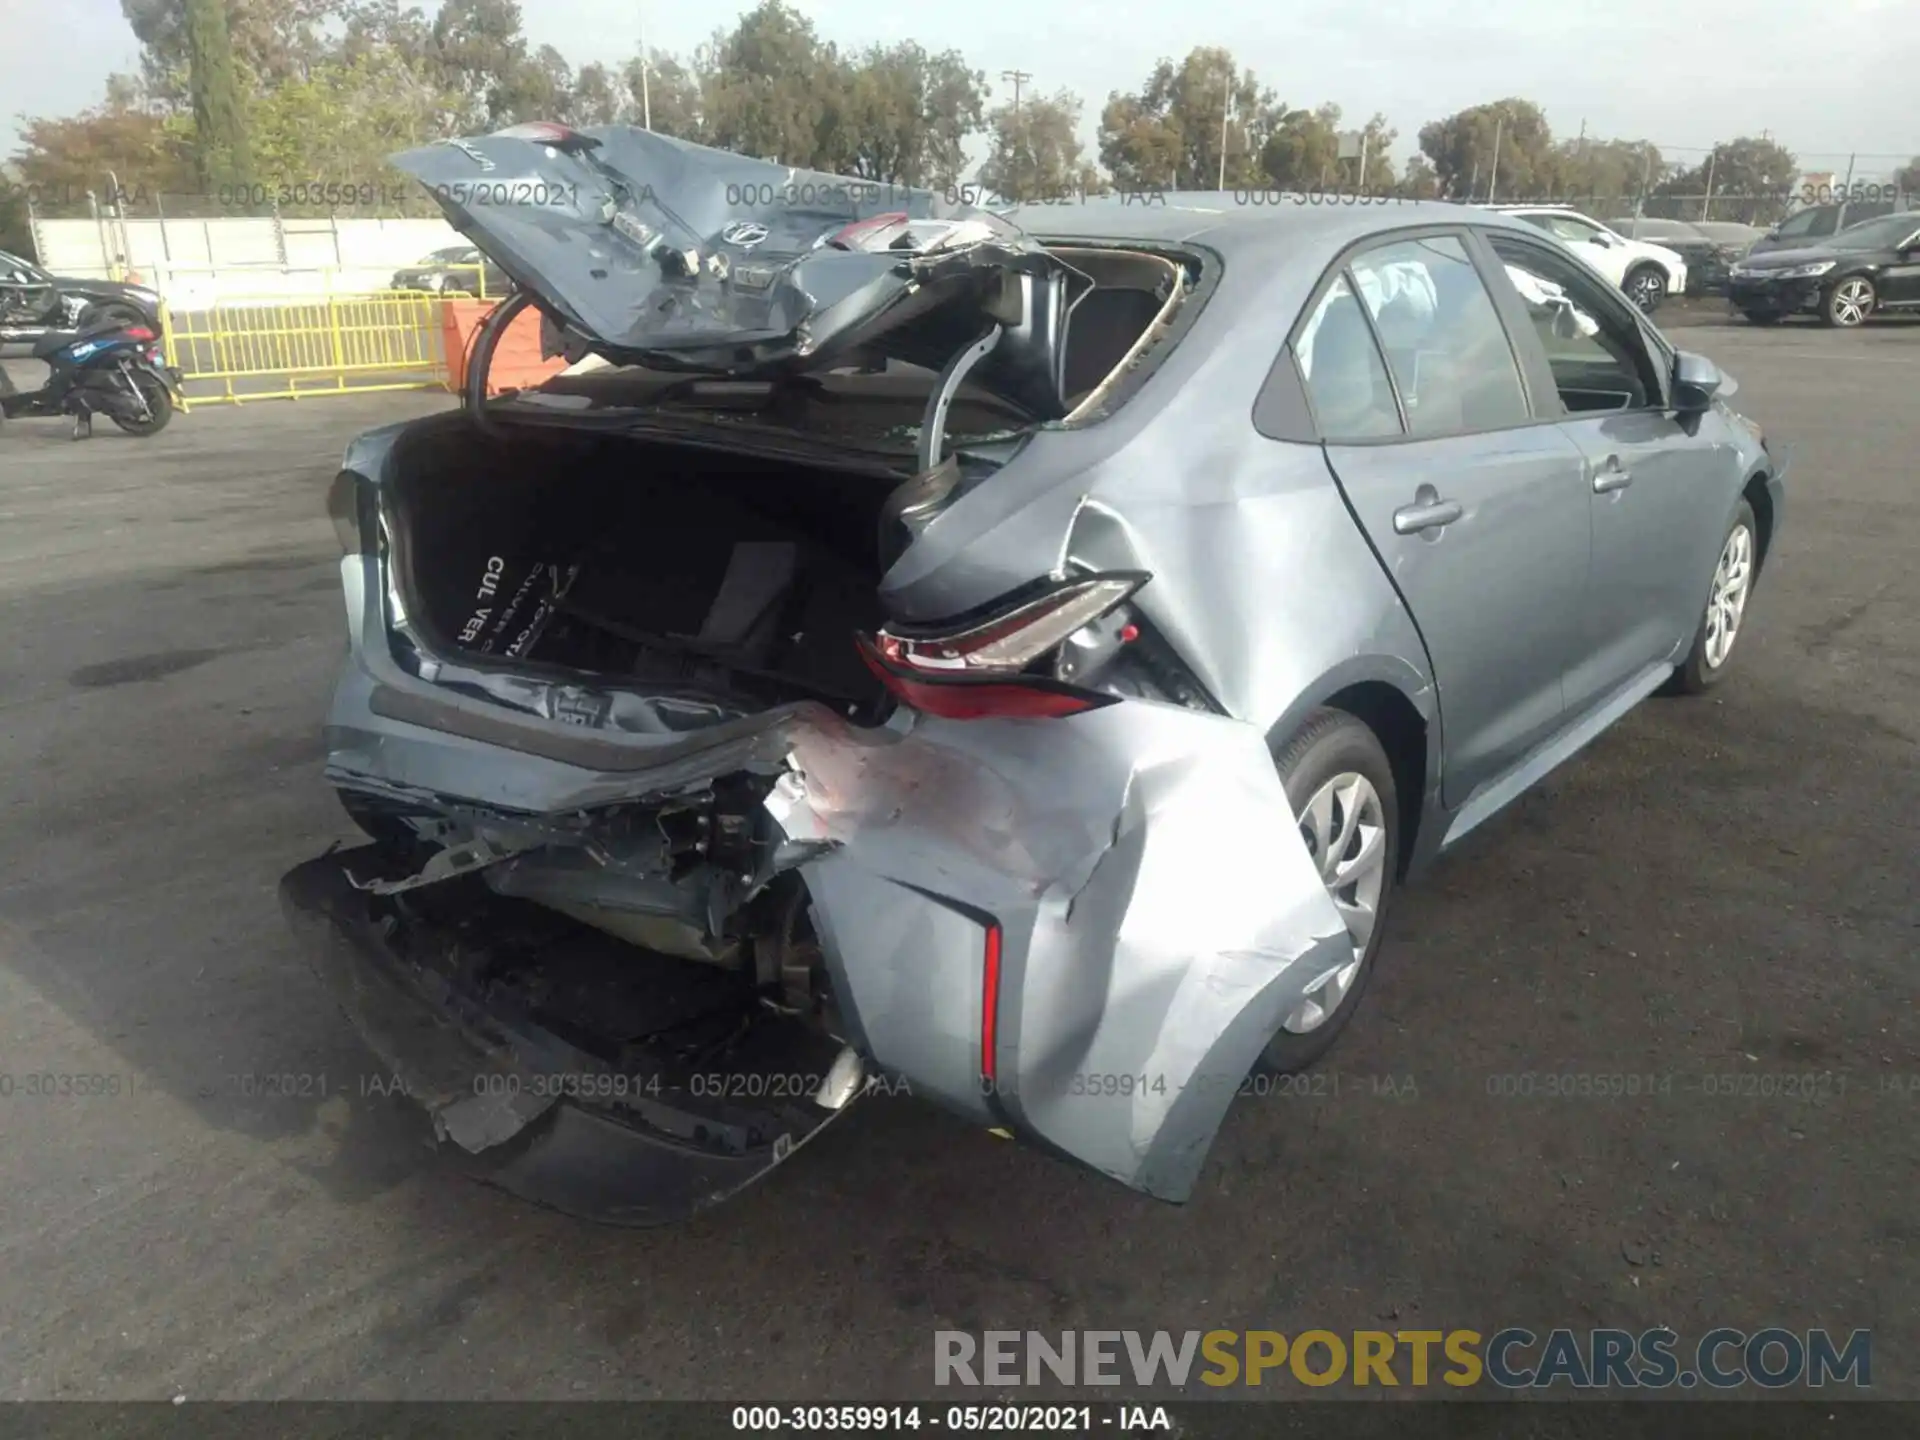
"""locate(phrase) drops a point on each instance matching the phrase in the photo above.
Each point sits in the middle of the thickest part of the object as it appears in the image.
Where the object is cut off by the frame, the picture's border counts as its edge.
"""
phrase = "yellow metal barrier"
(276, 348)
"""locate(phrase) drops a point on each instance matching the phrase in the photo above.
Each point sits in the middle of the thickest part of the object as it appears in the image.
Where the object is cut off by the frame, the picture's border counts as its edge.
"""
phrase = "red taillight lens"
(139, 332)
(979, 670)
(990, 1003)
(1037, 699)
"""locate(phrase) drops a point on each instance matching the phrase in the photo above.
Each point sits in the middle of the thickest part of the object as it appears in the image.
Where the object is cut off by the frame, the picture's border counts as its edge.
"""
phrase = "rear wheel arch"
(1760, 499)
(1403, 733)
(1398, 723)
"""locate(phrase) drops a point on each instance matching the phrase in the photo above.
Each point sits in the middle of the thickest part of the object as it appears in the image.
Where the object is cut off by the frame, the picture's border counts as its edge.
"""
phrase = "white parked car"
(1648, 273)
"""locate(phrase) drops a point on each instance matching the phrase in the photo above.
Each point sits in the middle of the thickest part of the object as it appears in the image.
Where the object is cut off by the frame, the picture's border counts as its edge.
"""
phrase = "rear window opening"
(1117, 325)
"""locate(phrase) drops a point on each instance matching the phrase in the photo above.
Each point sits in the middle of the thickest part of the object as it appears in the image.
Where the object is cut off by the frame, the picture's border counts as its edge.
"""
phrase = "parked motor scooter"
(104, 367)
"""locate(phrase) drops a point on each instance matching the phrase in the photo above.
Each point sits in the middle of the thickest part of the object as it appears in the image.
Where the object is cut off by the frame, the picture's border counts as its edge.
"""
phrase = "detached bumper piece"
(1777, 297)
(573, 1071)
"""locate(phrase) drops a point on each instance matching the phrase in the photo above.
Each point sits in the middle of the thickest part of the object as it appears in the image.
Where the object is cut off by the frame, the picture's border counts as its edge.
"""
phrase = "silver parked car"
(1014, 658)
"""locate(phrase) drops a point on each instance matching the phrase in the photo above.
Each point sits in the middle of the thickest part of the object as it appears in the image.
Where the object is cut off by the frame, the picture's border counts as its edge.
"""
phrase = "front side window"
(1346, 379)
(1594, 350)
(1573, 229)
(1445, 346)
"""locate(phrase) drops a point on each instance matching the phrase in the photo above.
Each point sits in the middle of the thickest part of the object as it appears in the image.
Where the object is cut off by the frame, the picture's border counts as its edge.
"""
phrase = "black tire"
(159, 400)
(1848, 302)
(1697, 674)
(1646, 286)
(1762, 317)
(1329, 744)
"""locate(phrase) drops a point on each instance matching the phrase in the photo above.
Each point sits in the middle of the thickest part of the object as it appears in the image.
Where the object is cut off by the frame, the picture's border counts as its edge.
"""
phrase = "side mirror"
(1697, 382)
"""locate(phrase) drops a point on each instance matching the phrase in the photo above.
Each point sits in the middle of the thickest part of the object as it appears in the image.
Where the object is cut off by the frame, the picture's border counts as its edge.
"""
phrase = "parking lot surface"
(1718, 898)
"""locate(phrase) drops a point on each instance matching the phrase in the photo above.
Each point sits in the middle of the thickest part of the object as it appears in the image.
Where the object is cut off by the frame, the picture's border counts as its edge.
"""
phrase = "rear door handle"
(1427, 515)
(1613, 477)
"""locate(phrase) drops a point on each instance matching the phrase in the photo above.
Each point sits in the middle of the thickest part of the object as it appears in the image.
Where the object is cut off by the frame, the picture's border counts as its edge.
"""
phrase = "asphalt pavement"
(1718, 897)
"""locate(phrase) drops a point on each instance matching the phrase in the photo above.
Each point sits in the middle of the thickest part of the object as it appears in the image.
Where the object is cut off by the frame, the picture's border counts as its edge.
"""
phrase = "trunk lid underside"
(647, 249)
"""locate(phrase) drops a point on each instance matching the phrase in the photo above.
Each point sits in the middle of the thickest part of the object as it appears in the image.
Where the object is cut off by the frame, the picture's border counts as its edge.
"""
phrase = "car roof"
(1244, 221)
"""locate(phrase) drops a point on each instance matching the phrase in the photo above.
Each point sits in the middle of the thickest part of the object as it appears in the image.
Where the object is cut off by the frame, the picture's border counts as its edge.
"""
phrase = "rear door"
(1657, 485)
(1478, 512)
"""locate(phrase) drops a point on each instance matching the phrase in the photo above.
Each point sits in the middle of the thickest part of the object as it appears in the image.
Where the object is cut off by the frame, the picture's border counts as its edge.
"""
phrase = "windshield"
(1881, 234)
(449, 257)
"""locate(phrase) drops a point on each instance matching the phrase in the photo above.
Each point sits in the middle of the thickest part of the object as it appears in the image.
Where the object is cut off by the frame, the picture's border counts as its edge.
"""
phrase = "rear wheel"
(1646, 286)
(159, 406)
(1340, 786)
(1849, 303)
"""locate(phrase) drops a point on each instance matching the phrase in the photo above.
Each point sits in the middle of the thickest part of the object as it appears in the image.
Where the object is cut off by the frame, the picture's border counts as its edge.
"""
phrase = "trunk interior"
(686, 569)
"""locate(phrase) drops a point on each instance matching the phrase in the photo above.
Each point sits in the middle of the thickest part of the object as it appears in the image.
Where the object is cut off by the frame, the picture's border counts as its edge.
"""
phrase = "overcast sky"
(1825, 79)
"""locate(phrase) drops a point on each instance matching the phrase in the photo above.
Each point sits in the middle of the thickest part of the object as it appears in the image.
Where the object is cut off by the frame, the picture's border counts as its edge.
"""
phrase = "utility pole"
(1226, 111)
(1493, 176)
(646, 96)
(1022, 150)
(1706, 201)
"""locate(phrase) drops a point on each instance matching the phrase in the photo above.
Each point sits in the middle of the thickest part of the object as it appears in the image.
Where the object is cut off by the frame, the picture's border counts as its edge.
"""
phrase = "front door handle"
(1613, 477)
(1427, 514)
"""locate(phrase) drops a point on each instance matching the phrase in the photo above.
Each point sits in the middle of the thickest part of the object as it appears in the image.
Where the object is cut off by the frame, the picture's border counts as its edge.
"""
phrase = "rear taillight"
(139, 332)
(985, 668)
(990, 1006)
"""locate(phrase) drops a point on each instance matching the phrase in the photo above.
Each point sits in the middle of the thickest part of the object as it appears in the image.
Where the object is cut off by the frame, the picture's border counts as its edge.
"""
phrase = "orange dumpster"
(517, 363)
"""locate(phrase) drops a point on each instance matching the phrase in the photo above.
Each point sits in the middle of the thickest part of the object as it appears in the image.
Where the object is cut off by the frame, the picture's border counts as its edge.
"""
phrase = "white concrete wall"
(196, 262)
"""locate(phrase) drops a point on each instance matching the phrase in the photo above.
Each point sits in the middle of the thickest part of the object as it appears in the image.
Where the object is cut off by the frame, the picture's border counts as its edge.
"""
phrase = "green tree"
(73, 154)
(597, 97)
(1462, 150)
(221, 153)
(1605, 170)
(271, 40)
(773, 89)
(1303, 151)
(1740, 169)
(342, 122)
(904, 115)
(478, 52)
(672, 93)
(1418, 181)
(1034, 149)
(1169, 132)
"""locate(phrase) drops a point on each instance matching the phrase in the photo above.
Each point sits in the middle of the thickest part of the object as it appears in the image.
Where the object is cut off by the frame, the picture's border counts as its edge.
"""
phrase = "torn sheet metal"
(1159, 911)
(678, 256)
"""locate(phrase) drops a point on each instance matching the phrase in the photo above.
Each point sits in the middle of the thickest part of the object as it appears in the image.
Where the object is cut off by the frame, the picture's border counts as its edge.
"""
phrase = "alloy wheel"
(1344, 827)
(1852, 300)
(1646, 289)
(1727, 601)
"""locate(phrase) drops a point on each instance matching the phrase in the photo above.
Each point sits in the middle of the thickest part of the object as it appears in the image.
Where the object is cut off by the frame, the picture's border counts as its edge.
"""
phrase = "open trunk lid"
(655, 251)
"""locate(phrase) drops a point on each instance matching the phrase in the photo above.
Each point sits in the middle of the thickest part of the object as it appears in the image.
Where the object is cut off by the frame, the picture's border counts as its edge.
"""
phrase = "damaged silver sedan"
(1017, 665)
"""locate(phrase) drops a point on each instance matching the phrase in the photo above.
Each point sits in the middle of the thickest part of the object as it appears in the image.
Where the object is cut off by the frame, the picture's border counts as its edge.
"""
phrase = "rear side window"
(1446, 349)
(1346, 379)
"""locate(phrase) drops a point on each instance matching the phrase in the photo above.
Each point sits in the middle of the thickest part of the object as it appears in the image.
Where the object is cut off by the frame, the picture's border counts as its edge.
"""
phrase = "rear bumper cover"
(526, 1111)
(1158, 912)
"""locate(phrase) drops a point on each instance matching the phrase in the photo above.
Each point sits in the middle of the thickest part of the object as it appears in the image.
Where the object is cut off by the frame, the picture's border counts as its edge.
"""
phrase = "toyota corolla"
(1014, 657)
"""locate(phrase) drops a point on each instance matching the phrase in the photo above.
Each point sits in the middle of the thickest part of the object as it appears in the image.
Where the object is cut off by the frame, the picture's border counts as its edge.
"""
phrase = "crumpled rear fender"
(1157, 911)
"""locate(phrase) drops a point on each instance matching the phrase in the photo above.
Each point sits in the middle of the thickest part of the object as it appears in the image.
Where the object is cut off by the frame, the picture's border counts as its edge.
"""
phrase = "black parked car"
(457, 270)
(1857, 273)
(1816, 223)
(34, 304)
